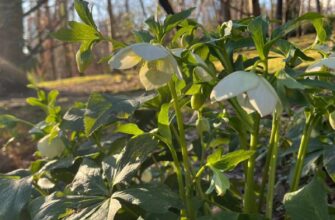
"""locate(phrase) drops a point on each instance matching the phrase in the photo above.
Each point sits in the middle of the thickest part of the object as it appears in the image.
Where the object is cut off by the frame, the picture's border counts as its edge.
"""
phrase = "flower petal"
(264, 98)
(124, 59)
(234, 84)
(150, 52)
(328, 62)
(175, 67)
(177, 51)
(243, 100)
(155, 74)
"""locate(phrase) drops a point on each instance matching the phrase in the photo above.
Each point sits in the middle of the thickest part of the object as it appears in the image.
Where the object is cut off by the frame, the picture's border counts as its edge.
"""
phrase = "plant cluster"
(215, 137)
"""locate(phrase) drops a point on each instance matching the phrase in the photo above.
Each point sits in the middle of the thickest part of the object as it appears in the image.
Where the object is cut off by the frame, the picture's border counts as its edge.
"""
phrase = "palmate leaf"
(60, 206)
(119, 168)
(309, 202)
(151, 198)
(103, 109)
(14, 196)
(88, 180)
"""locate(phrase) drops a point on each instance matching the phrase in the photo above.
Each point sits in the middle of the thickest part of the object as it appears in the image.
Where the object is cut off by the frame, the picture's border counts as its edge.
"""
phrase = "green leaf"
(103, 109)
(88, 180)
(8, 121)
(58, 205)
(84, 56)
(309, 202)
(315, 18)
(219, 182)
(119, 168)
(151, 198)
(84, 12)
(164, 124)
(258, 28)
(232, 216)
(129, 128)
(14, 196)
(317, 84)
(288, 81)
(172, 21)
(143, 36)
(77, 32)
(230, 160)
(329, 162)
(73, 119)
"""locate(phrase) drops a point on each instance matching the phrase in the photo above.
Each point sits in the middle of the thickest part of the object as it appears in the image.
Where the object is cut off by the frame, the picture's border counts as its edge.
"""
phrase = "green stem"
(188, 179)
(203, 145)
(224, 59)
(267, 162)
(177, 168)
(272, 166)
(311, 118)
(249, 196)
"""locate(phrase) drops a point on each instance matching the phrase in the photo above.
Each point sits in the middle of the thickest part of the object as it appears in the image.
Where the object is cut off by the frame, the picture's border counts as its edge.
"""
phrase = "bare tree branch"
(39, 4)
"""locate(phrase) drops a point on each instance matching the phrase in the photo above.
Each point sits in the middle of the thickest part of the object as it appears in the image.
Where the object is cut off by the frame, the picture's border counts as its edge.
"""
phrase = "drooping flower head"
(253, 92)
(158, 64)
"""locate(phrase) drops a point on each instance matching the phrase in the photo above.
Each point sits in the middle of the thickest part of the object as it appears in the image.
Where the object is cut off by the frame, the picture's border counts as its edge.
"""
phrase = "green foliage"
(309, 202)
(178, 152)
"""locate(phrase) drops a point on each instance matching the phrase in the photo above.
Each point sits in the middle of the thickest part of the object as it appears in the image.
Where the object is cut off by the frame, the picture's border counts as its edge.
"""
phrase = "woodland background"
(26, 45)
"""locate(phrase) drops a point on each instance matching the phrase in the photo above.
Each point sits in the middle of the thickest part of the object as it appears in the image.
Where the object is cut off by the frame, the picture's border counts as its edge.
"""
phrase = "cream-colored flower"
(158, 67)
(50, 148)
(253, 92)
(327, 62)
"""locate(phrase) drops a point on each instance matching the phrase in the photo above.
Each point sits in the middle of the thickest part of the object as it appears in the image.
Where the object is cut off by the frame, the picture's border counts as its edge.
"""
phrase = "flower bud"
(332, 119)
(50, 149)
(197, 100)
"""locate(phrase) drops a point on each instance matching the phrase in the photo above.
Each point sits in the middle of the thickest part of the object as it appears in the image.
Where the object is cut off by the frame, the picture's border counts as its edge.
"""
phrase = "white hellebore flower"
(327, 62)
(158, 63)
(253, 92)
(50, 149)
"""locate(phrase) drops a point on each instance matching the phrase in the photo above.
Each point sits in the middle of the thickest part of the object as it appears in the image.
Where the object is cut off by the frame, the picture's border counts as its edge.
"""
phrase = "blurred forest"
(26, 45)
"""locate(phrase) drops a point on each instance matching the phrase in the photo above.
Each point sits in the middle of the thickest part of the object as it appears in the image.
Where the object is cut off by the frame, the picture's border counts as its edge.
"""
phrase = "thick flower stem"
(272, 166)
(249, 189)
(311, 118)
(267, 163)
(188, 179)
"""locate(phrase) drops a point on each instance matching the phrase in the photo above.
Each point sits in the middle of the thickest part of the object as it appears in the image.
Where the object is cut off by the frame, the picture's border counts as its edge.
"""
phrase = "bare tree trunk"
(241, 9)
(143, 8)
(166, 6)
(12, 75)
(309, 6)
(64, 16)
(318, 6)
(126, 4)
(225, 10)
(256, 9)
(111, 17)
(51, 42)
(279, 10)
